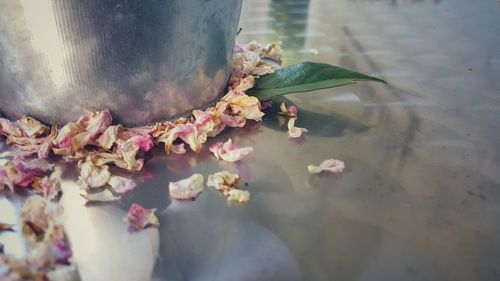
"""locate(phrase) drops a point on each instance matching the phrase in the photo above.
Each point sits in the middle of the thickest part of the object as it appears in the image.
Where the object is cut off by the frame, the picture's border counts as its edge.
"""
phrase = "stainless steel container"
(144, 60)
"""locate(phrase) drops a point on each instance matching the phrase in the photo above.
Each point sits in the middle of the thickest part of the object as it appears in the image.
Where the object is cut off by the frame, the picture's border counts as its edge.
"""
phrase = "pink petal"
(178, 148)
(233, 121)
(229, 152)
(143, 141)
(50, 187)
(121, 184)
(139, 217)
(329, 165)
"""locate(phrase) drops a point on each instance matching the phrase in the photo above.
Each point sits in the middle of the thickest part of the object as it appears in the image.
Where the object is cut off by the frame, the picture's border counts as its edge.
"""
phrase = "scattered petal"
(187, 188)
(290, 111)
(178, 148)
(51, 186)
(329, 165)
(237, 195)
(61, 251)
(223, 181)
(109, 137)
(139, 217)
(121, 184)
(6, 227)
(229, 152)
(104, 196)
(295, 132)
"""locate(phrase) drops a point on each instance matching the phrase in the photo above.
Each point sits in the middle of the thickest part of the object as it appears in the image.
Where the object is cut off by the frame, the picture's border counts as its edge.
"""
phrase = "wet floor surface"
(417, 201)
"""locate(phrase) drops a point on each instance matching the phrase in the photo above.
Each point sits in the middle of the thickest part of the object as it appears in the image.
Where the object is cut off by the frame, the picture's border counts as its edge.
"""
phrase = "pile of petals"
(31, 174)
(93, 137)
(227, 184)
(49, 253)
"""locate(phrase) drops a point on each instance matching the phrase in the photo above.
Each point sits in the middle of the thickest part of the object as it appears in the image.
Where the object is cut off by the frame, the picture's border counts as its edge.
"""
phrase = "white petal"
(329, 165)
(187, 188)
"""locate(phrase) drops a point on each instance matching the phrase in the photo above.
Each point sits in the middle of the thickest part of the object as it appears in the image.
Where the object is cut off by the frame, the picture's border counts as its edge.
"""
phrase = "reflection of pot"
(144, 60)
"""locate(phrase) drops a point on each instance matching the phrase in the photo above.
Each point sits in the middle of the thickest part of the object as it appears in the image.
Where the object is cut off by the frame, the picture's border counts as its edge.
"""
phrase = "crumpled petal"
(109, 137)
(186, 132)
(203, 121)
(144, 142)
(94, 124)
(187, 188)
(64, 138)
(229, 152)
(31, 127)
(233, 120)
(61, 251)
(6, 227)
(329, 165)
(121, 184)
(223, 181)
(290, 111)
(51, 186)
(128, 151)
(139, 217)
(7, 128)
(295, 132)
(39, 211)
(104, 196)
(92, 176)
(237, 195)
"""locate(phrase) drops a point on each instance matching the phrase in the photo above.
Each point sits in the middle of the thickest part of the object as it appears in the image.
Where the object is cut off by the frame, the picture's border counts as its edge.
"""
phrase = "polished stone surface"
(417, 201)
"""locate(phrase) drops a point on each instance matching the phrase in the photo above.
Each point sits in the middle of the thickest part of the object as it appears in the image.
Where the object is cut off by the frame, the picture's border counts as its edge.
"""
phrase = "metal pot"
(144, 60)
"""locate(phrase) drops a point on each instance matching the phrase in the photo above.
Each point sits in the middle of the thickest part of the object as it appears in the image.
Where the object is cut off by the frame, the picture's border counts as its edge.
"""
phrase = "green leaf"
(305, 77)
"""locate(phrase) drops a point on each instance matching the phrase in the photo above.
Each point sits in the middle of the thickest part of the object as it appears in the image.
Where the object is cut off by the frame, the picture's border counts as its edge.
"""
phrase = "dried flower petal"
(186, 132)
(290, 111)
(31, 127)
(39, 211)
(104, 196)
(61, 251)
(121, 184)
(295, 132)
(178, 148)
(223, 181)
(51, 186)
(92, 176)
(187, 188)
(329, 165)
(237, 195)
(229, 152)
(109, 137)
(6, 227)
(139, 217)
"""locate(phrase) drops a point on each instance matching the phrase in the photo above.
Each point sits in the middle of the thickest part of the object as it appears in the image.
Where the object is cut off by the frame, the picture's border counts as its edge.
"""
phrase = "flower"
(295, 132)
(229, 152)
(187, 188)
(139, 217)
(329, 165)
